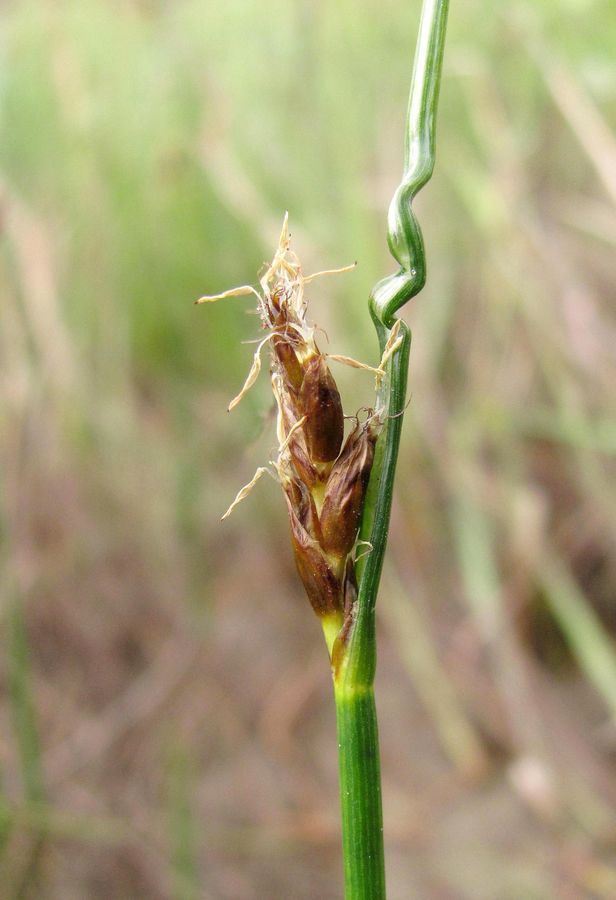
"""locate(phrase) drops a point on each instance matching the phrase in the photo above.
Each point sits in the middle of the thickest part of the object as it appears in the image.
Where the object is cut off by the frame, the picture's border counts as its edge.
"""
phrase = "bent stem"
(354, 656)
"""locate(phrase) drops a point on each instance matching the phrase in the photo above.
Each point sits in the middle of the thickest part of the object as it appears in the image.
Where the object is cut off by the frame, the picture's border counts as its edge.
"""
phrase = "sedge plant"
(338, 490)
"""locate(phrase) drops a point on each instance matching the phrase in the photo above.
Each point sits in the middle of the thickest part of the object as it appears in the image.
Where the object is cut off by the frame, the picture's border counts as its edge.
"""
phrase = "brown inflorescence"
(324, 477)
(324, 481)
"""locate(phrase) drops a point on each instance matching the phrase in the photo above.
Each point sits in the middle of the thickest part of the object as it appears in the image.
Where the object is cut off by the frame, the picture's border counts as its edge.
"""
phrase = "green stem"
(360, 791)
(355, 661)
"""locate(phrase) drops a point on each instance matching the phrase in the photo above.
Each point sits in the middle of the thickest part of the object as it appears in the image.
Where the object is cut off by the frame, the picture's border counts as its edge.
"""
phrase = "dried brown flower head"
(324, 477)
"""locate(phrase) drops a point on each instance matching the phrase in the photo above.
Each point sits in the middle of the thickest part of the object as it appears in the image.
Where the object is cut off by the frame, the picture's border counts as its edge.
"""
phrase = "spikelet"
(324, 477)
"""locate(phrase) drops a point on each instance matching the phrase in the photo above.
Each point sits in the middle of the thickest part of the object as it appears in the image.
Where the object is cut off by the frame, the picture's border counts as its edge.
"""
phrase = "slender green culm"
(360, 788)
(337, 488)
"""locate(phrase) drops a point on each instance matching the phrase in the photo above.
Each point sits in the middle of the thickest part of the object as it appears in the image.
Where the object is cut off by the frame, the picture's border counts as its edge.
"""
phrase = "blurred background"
(167, 726)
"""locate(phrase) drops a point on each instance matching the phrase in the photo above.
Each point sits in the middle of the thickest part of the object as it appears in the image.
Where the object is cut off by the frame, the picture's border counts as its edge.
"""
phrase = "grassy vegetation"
(148, 152)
